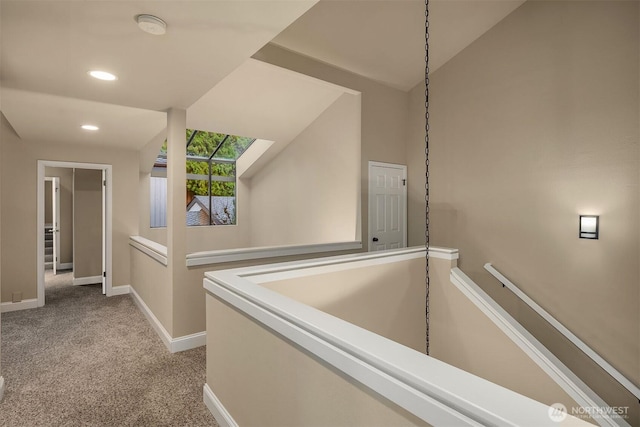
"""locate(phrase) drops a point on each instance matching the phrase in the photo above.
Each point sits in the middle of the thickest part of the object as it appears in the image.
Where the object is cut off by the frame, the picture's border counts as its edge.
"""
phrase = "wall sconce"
(589, 226)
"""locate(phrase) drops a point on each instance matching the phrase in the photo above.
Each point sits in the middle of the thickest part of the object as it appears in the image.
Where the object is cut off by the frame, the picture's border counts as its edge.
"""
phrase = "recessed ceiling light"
(151, 24)
(90, 127)
(102, 75)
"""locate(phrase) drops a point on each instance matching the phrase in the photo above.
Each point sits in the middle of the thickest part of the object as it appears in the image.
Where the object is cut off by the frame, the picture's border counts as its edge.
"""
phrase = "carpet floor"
(87, 360)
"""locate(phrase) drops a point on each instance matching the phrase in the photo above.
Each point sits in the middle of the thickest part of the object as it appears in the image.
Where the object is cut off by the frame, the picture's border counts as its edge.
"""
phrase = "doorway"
(102, 196)
(387, 206)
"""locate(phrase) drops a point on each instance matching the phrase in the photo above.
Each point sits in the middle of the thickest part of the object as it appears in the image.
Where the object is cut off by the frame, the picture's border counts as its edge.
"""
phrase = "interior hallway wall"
(19, 209)
(308, 194)
(531, 125)
(66, 211)
(87, 213)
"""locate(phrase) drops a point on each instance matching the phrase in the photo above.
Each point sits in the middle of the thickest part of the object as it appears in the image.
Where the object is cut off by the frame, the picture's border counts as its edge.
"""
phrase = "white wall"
(310, 192)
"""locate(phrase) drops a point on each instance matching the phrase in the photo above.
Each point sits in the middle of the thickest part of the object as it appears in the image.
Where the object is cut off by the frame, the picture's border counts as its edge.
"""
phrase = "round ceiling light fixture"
(102, 75)
(151, 24)
(90, 127)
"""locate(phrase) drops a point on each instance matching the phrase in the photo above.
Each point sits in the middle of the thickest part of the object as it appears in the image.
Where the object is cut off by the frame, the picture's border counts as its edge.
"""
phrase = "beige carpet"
(87, 360)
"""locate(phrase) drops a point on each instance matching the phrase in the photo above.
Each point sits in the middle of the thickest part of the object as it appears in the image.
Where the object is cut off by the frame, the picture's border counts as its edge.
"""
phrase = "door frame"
(107, 237)
(369, 214)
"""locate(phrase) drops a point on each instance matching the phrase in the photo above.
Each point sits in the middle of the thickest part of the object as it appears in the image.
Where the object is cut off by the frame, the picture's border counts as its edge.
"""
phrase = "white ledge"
(242, 254)
(437, 393)
(150, 248)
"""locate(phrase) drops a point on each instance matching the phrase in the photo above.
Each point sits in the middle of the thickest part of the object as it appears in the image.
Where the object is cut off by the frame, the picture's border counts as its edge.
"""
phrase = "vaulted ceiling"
(48, 46)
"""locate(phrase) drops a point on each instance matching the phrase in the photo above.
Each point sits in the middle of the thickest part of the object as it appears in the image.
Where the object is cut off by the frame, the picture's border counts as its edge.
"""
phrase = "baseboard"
(1, 388)
(65, 266)
(219, 412)
(187, 342)
(91, 280)
(174, 345)
(26, 304)
(120, 290)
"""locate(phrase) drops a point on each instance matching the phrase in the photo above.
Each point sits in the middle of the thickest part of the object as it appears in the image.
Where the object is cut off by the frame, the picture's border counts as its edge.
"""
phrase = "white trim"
(174, 345)
(403, 168)
(120, 290)
(89, 280)
(333, 263)
(444, 253)
(538, 353)
(2, 386)
(25, 304)
(438, 393)
(187, 342)
(66, 266)
(230, 255)
(617, 375)
(150, 248)
(107, 244)
(217, 409)
(155, 323)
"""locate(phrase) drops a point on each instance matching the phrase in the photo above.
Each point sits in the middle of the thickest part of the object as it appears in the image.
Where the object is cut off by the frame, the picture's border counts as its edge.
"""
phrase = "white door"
(387, 206)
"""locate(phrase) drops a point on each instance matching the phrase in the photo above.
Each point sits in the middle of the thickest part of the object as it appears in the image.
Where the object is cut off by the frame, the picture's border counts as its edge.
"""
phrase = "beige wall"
(152, 283)
(19, 216)
(66, 211)
(416, 167)
(384, 113)
(87, 214)
(309, 192)
(387, 299)
(255, 394)
(48, 208)
(533, 124)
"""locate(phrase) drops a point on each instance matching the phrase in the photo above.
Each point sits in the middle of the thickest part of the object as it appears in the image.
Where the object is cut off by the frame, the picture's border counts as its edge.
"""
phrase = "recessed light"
(102, 75)
(151, 24)
(89, 127)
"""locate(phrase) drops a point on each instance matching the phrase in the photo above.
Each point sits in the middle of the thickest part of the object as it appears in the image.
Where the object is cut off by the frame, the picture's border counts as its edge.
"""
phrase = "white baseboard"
(26, 304)
(174, 345)
(219, 412)
(91, 280)
(65, 266)
(120, 290)
(187, 342)
(1, 388)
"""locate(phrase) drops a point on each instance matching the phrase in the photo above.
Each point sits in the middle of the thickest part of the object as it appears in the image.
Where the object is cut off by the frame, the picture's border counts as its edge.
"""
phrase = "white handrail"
(151, 248)
(624, 381)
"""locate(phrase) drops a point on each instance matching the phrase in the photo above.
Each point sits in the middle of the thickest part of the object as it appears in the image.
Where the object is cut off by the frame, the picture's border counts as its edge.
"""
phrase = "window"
(211, 179)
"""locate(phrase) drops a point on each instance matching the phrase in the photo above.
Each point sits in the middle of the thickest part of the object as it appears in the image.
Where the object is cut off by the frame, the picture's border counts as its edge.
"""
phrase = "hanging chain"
(426, 163)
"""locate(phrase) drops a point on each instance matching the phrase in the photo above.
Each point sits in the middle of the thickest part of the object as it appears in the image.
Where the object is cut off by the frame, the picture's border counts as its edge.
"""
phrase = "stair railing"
(606, 366)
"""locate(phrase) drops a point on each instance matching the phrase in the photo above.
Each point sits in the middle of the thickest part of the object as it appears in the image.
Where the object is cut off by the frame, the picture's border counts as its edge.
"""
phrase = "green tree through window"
(211, 175)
